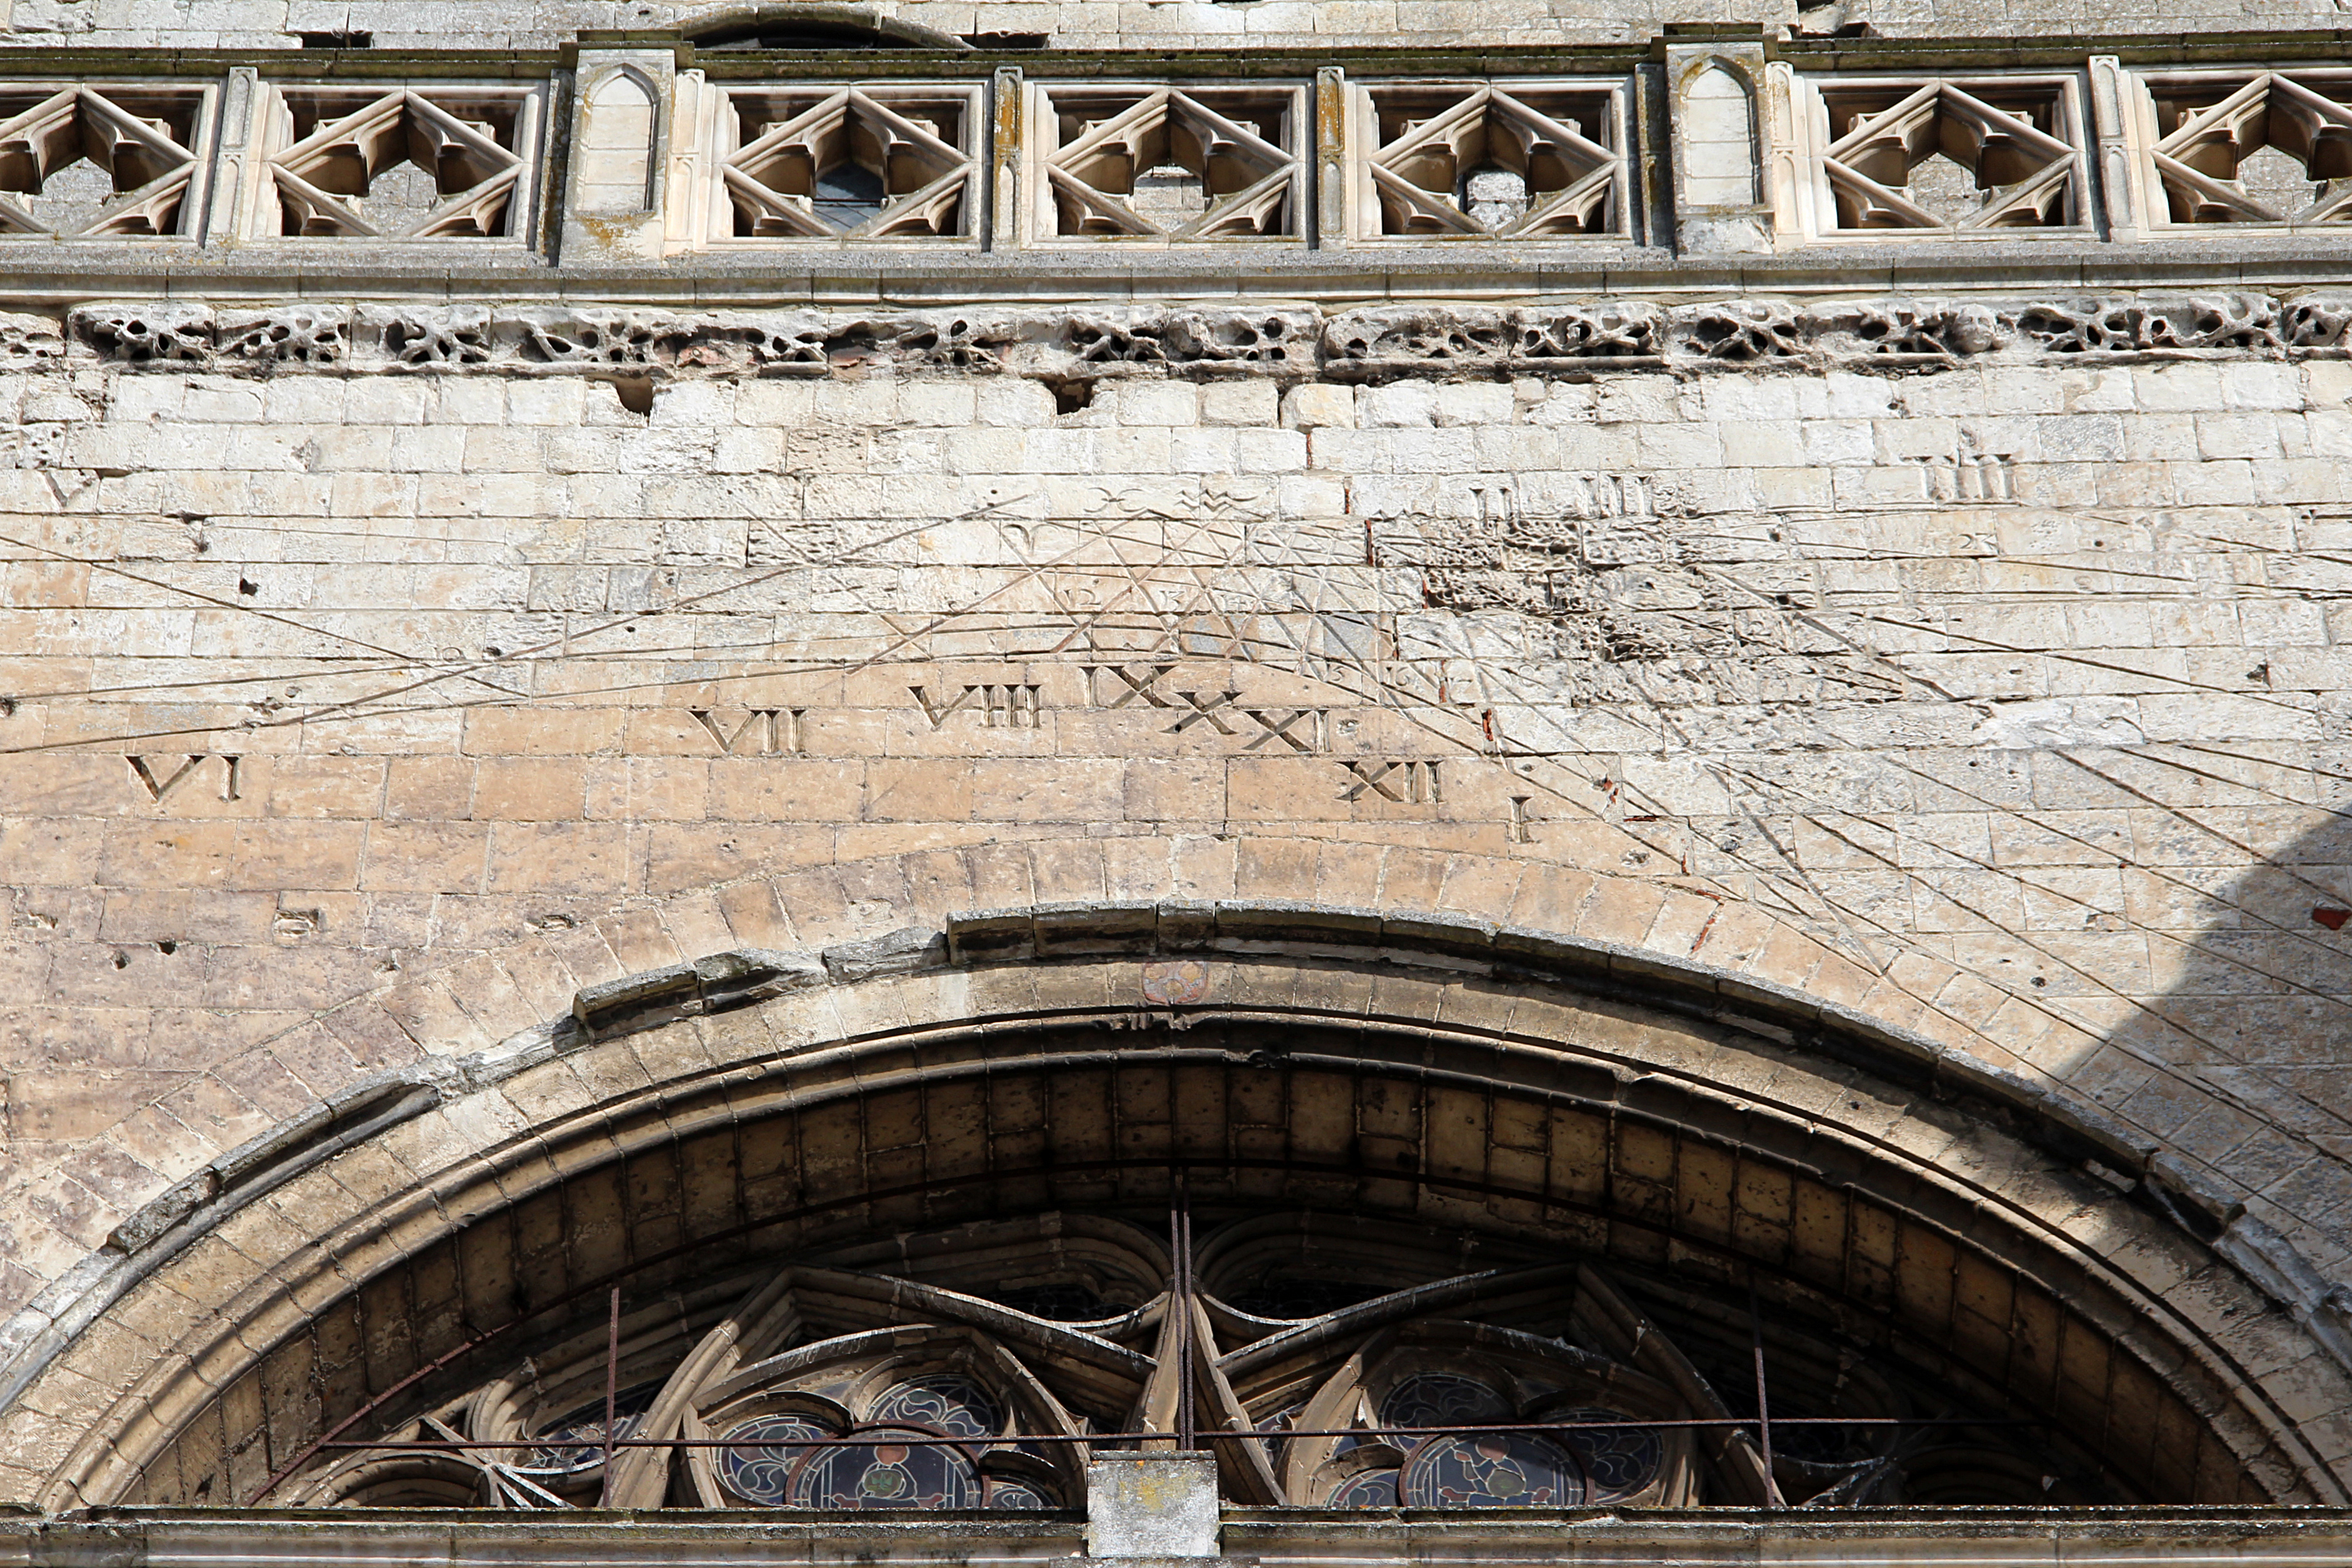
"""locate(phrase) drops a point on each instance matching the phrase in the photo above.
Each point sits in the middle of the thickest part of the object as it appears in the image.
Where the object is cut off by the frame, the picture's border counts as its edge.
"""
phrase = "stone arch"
(328, 1080)
(696, 1115)
(814, 26)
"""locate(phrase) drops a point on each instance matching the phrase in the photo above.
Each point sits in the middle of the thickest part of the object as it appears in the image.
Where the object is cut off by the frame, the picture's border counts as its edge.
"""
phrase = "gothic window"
(2232, 147)
(398, 162)
(825, 162)
(1943, 155)
(1325, 1361)
(100, 160)
(1494, 160)
(1159, 164)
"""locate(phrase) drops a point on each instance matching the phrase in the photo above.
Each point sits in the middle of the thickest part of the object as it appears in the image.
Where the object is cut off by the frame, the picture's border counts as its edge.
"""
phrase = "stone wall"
(1862, 517)
(2011, 681)
(1100, 23)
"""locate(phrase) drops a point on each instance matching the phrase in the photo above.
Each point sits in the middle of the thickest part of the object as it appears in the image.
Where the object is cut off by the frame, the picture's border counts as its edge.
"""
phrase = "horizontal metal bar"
(424, 1445)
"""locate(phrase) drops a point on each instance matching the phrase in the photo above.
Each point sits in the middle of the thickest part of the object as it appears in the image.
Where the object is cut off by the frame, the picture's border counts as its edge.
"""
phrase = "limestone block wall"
(248, 24)
(351, 713)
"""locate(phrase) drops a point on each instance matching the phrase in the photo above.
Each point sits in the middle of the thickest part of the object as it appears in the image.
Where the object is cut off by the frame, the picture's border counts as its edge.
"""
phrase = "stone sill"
(55, 273)
(232, 1538)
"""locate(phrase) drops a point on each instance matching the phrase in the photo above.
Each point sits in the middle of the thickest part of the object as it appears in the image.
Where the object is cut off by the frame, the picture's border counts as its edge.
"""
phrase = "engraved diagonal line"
(470, 670)
(2123, 861)
(2065, 656)
(2181, 812)
(2058, 958)
(1915, 879)
(1822, 903)
(214, 600)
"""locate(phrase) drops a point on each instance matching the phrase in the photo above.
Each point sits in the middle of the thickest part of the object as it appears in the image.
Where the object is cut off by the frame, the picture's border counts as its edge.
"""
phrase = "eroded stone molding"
(1289, 342)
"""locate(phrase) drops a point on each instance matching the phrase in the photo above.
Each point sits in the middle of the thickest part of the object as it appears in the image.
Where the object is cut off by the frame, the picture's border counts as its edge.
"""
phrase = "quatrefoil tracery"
(2200, 162)
(2028, 177)
(473, 163)
(144, 157)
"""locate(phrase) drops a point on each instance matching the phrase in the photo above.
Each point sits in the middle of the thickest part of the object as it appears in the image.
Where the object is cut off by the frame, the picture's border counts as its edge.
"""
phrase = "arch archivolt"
(1644, 1119)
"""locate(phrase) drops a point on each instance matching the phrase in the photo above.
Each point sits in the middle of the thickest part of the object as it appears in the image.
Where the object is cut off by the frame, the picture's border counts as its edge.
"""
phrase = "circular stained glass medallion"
(1618, 1461)
(918, 1472)
(1491, 1469)
(955, 1405)
(757, 1469)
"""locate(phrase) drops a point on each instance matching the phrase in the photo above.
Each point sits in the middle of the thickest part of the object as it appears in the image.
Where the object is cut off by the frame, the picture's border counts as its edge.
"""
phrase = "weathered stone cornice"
(1288, 341)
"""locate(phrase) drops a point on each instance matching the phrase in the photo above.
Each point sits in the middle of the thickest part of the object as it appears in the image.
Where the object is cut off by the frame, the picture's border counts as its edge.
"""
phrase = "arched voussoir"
(703, 1118)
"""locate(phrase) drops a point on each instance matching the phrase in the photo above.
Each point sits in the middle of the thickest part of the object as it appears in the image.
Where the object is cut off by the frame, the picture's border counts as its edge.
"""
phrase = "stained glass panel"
(1367, 1488)
(1618, 1461)
(760, 1473)
(1017, 1494)
(586, 1426)
(955, 1405)
(1494, 1469)
(1442, 1399)
(915, 1473)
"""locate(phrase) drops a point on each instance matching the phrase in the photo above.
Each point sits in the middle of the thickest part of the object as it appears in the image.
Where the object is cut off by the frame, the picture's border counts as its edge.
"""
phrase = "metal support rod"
(1772, 1498)
(612, 1395)
(1014, 1440)
(1179, 1252)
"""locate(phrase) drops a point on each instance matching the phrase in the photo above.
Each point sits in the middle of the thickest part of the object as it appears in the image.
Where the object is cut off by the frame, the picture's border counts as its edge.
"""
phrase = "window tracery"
(825, 162)
(103, 161)
(1325, 1362)
(2265, 147)
(1945, 155)
(406, 162)
(1495, 160)
(1168, 164)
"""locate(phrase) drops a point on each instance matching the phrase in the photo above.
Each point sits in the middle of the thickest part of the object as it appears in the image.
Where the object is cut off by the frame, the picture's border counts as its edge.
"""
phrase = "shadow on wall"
(2233, 1055)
